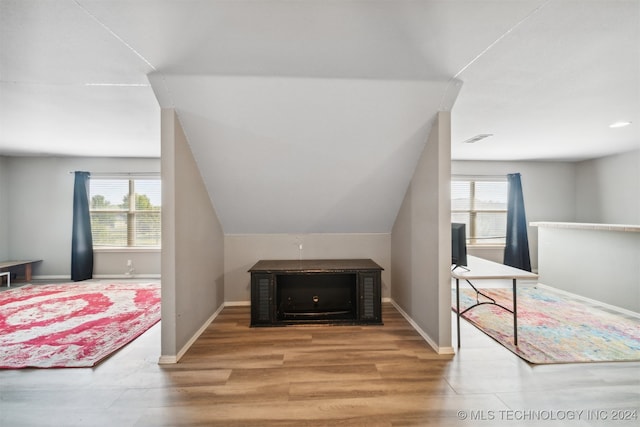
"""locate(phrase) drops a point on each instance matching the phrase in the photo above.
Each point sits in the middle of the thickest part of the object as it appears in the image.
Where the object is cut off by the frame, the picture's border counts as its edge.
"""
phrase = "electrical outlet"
(130, 270)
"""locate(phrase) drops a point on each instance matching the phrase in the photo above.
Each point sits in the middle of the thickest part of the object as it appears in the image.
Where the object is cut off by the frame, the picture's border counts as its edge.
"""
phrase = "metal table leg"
(458, 308)
(515, 315)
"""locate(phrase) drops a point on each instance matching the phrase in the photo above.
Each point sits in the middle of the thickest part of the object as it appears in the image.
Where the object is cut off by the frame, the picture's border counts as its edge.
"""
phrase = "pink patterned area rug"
(553, 328)
(73, 325)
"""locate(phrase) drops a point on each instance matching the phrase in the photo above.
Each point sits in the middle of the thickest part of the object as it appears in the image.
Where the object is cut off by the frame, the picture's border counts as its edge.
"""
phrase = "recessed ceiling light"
(619, 124)
(477, 138)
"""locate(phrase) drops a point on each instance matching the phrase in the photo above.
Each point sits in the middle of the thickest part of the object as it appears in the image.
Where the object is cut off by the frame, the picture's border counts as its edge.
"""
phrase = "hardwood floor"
(320, 376)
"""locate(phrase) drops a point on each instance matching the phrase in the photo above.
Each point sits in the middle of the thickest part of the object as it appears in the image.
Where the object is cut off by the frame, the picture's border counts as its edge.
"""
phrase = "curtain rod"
(118, 174)
(479, 177)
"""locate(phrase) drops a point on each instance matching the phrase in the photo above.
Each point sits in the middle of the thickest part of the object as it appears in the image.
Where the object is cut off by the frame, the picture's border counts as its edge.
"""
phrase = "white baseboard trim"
(61, 277)
(446, 350)
(126, 276)
(168, 360)
(56, 277)
(423, 334)
(590, 300)
(237, 304)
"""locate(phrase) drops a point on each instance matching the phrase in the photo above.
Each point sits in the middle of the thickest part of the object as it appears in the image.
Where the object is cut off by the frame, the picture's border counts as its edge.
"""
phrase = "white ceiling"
(309, 115)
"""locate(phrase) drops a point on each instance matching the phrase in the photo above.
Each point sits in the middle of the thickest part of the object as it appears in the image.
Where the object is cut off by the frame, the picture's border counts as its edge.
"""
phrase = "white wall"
(603, 265)
(242, 251)
(549, 190)
(40, 195)
(192, 245)
(112, 263)
(598, 264)
(603, 190)
(608, 189)
(421, 241)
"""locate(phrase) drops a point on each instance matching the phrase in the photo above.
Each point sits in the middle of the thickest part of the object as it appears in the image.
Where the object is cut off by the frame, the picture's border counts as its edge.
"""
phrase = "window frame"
(131, 212)
(472, 238)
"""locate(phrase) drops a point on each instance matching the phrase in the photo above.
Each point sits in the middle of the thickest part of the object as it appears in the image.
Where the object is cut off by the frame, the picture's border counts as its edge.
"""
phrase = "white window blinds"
(125, 212)
(481, 204)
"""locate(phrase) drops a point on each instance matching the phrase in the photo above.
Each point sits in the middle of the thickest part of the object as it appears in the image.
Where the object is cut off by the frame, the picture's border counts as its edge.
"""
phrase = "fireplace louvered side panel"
(261, 299)
(367, 298)
(370, 310)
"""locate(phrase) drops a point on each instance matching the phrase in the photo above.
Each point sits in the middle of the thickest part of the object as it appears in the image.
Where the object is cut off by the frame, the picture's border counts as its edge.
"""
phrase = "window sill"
(114, 249)
(488, 246)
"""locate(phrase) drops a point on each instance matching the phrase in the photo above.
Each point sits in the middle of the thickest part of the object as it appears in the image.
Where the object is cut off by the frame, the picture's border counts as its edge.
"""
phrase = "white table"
(482, 269)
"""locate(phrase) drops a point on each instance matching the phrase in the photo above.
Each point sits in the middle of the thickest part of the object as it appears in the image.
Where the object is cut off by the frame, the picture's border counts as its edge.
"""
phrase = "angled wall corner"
(4, 215)
(421, 241)
(192, 245)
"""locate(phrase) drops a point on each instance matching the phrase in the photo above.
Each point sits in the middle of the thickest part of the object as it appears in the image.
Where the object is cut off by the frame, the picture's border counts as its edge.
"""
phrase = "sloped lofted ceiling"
(309, 116)
(305, 155)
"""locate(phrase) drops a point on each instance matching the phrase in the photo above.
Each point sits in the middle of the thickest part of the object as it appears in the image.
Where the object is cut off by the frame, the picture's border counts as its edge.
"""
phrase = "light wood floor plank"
(385, 375)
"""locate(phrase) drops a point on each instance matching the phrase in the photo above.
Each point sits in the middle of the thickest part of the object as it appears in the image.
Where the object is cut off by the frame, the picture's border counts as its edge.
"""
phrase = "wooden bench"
(8, 276)
(13, 266)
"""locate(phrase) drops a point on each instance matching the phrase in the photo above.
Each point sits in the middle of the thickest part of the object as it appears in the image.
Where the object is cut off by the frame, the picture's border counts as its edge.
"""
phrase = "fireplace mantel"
(338, 291)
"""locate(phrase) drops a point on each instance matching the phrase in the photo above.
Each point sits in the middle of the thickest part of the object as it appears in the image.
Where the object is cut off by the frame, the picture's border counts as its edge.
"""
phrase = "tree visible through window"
(125, 212)
(481, 204)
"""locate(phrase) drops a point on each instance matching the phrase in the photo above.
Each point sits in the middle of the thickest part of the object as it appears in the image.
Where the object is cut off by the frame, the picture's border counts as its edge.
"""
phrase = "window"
(481, 203)
(125, 212)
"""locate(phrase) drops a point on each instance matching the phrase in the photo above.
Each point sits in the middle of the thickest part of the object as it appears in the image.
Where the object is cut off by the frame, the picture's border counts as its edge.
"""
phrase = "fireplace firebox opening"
(320, 291)
(318, 297)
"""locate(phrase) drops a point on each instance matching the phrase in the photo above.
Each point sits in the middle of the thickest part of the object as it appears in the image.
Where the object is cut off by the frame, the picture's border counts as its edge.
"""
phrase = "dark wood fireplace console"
(338, 291)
